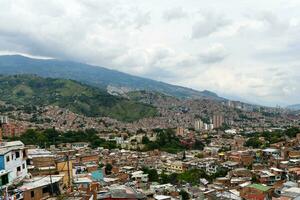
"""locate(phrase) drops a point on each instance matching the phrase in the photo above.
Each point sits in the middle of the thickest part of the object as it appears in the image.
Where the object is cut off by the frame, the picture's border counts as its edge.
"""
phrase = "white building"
(13, 166)
(205, 126)
(3, 119)
(211, 127)
(139, 176)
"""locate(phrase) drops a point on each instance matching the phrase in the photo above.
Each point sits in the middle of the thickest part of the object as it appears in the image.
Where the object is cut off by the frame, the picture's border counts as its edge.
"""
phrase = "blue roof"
(97, 175)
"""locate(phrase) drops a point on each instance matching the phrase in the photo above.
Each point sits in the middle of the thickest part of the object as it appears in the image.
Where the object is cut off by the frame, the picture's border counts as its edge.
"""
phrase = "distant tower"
(180, 131)
(3, 120)
(229, 103)
(199, 125)
(218, 120)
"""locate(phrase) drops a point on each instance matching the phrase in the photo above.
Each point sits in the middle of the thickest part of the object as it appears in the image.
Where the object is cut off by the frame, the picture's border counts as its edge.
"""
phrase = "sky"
(241, 49)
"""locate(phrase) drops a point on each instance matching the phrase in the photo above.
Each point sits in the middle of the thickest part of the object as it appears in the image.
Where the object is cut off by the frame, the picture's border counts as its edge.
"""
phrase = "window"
(24, 153)
(3, 180)
(45, 190)
(19, 169)
(7, 158)
(23, 166)
(32, 194)
(17, 154)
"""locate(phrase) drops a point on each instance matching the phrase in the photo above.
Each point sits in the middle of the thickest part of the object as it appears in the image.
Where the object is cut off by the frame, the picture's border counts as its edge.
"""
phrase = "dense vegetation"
(168, 141)
(29, 91)
(52, 137)
(254, 140)
(190, 176)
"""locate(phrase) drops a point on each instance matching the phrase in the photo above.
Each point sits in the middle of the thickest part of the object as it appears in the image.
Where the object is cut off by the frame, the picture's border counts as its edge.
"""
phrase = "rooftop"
(270, 150)
(120, 192)
(161, 197)
(36, 153)
(260, 187)
(9, 146)
(39, 181)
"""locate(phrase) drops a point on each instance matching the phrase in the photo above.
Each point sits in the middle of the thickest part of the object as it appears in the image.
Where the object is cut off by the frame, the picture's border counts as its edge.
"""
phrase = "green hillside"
(96, 76)
(23, 90)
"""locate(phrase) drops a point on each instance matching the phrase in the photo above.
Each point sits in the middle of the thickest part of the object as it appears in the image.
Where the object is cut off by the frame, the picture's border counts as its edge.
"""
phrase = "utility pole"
(51, 185)
(69, 174)
(6, 193)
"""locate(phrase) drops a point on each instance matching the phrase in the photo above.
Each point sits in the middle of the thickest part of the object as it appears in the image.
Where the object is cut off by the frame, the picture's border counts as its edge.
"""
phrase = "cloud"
(272, 23)
(174, 14)
(158, 61)
(214, 54)
(260, 86)
(287, 52)
(247, 51)
(142, 19)
(24, 54)
(208, 24)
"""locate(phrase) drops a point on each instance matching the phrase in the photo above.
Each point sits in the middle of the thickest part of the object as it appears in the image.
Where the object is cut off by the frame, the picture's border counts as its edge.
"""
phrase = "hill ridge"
(32, 90)
(94, 75)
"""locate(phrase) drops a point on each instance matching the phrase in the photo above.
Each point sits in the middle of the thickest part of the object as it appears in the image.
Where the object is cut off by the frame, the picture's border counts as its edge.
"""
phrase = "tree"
(292, 132)
(100, 165)
(108, 168)
(164, 178)
(184, 195)
(51, 136)
(221, 172)
(253, 142)
(145, 140)
(198, 145)
(152, 174)
(166, 141)
(193, 176)
(254, 179)
(173, 178)
(34, 137)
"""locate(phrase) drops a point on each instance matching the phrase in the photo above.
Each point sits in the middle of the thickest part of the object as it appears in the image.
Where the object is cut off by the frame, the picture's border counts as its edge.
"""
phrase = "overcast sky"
(246, 49)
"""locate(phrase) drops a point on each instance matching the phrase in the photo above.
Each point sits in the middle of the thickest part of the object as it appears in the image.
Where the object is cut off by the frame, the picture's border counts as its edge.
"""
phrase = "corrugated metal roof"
(260, 187)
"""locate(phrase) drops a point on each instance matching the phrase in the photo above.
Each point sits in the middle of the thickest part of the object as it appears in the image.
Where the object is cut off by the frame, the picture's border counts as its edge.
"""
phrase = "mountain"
(294, 107)
(95, 76)
(28, 91)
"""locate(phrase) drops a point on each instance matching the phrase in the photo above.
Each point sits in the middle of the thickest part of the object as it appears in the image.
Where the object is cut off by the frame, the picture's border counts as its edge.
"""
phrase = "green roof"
(260, 187)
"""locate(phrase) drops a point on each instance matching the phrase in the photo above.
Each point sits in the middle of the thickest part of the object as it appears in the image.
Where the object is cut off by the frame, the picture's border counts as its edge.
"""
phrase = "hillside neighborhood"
(149, 100)
(252, 155)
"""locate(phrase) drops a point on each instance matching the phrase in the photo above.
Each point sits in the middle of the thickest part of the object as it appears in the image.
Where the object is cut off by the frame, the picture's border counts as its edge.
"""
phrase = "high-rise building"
(230, 104)
(199, 125)
(218, 120)
(180, 131)
(3, 120)
(205, 126)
